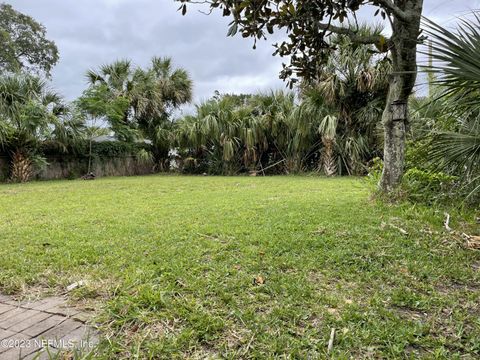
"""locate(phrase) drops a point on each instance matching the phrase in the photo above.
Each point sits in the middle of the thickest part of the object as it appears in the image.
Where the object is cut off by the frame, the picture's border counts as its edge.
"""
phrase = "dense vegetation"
(334, 125)
(240, 267)
(137, 103)
(331, 123)
(306, 28)
(332, 128)
(446, 126)
(32, 115)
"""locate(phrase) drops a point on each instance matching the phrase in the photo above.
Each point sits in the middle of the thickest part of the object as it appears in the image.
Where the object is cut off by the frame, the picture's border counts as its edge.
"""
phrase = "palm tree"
(351, 88)
(455, 146)
(210, 136)
(110, 95)
(232, 133)
(308, 117)
(139, 102)
(159, 90)
(31, 114)
(286, 140)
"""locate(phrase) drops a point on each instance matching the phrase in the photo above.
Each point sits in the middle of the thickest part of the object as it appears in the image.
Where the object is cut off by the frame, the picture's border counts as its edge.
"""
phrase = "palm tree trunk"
(21, 168)
(161, 158)
(329, 164)
(90, 157)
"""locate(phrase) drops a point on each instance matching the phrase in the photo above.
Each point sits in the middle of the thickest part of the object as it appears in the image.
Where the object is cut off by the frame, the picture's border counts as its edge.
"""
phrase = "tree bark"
(21, 167)
(404, 41)
(161, 159)
(90, 157)
(329, 163)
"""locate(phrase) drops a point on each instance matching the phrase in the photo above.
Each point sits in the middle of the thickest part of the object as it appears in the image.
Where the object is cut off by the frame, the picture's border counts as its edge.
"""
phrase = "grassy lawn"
(170, 263)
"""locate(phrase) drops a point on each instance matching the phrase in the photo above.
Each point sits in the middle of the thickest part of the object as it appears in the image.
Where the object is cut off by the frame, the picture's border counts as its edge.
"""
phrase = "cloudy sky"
(89, 33)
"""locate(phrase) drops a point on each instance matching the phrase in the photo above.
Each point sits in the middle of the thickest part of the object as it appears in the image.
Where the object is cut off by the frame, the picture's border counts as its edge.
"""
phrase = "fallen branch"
(330, 342)
(261, 168)
(249, 344)
(447, 222)
(268, 167)
(403, 231)
(473, 242)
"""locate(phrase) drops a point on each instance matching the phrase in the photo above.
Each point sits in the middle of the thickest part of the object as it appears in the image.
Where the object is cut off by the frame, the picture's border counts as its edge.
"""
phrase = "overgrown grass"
(171, 261)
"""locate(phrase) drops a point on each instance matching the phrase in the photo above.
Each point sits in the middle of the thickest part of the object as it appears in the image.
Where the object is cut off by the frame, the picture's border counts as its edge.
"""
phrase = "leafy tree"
(309, 24)
(24, 43)
(30, 114)
(92, 131)
(160, 90)
(138, 102)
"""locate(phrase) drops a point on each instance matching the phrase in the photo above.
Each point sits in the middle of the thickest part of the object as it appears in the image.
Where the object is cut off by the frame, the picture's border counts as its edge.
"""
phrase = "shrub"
(417, 153)
(418, 185)
(428, 186)
(106, 149)
(375, 168)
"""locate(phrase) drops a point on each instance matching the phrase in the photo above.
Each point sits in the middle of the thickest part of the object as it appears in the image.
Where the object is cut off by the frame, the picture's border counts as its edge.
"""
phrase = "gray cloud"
(93, 32)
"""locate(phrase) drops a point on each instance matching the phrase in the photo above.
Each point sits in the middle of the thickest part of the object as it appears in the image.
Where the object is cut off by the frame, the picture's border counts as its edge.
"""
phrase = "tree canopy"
(136, 102)
(307, 24)
(24, 43)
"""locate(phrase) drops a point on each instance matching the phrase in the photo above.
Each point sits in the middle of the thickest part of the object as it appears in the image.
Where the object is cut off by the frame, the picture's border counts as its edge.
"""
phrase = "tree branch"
(359, 39)
(390, 6)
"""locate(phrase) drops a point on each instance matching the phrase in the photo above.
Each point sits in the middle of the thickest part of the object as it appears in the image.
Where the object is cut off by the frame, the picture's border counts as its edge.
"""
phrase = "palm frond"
(456, 66)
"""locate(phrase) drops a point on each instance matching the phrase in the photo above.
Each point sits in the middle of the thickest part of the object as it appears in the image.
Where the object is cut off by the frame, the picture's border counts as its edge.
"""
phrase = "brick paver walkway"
(33, 330)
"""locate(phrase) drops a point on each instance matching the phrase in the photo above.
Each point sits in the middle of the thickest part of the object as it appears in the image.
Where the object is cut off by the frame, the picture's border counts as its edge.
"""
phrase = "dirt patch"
(476, 266)
(457, 287)
(416, 352)
(411, 314)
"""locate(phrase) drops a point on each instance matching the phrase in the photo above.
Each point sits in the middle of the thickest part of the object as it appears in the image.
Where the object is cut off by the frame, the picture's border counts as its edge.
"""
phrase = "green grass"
(170, 263)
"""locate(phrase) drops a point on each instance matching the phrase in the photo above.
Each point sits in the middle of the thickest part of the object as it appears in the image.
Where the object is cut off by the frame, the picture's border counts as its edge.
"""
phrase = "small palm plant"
(455, 147)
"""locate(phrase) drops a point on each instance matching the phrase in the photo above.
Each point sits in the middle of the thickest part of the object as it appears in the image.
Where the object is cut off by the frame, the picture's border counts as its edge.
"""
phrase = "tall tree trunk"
(90, 156)
(161, 159)
(404, 57)
(328, 156)
(21, 167)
